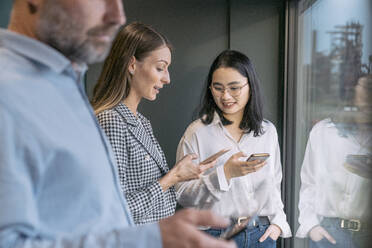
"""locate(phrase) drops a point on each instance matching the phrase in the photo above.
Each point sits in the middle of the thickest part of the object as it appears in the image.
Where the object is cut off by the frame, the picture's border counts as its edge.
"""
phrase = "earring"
(131, 72)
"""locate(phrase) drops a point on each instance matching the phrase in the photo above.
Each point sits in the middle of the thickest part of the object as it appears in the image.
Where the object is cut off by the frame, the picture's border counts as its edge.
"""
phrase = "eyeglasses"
(219, 90)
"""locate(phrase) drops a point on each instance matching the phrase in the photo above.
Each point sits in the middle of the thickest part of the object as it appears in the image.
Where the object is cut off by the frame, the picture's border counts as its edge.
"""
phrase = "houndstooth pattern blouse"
(141, 162)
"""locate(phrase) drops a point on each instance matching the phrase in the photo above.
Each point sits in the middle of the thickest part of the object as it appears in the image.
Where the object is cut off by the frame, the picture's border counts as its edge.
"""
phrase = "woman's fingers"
(265, 235)
(252, 168)
(328, 237)
(188, 170)
(204, 167)
(238, 155)
(190, 156)
(273, 231)
(253, 163)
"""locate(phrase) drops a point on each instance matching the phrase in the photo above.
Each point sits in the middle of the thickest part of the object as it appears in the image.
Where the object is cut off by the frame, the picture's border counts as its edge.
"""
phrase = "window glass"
(333, 124)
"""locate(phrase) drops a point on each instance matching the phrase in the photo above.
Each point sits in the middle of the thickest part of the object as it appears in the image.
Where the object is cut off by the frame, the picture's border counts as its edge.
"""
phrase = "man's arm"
(21, 178)
(21, 236)
(181, 231)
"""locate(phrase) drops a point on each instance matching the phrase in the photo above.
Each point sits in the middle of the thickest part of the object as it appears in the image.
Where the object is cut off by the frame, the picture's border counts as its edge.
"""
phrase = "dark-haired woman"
(136, 68)
(231, 117)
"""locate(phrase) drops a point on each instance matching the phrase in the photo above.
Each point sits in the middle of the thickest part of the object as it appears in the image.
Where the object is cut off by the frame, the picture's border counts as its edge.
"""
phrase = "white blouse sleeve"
(200, 193)
(308, 217)
(279, 217)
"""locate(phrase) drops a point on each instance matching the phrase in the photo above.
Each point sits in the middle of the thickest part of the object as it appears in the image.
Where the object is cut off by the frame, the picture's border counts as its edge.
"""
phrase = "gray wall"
(199, 30)
(5, 6)
(257, 29)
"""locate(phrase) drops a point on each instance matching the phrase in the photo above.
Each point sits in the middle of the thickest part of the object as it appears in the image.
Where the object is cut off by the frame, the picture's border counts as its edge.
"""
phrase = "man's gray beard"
(60, 31)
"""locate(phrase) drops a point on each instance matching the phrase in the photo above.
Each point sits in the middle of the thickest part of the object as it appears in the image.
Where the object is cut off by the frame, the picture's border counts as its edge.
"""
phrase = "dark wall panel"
(257, 30)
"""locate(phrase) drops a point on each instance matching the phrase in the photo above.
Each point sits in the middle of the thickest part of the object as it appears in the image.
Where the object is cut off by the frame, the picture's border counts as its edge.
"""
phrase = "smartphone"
(215, 156)
(358, 160)
(258, 156)
(233, 230)
(359, 164)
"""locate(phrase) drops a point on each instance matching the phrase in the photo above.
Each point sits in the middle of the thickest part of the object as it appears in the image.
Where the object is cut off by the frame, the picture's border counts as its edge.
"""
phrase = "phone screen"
(258, 156)
(215, 156)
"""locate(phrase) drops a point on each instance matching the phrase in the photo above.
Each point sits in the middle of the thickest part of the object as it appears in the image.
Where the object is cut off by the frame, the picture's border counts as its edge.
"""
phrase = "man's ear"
(132, 65)
(34, 5)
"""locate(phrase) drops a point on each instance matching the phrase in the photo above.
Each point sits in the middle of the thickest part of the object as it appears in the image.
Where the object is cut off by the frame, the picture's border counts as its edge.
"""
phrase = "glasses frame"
(220, 93)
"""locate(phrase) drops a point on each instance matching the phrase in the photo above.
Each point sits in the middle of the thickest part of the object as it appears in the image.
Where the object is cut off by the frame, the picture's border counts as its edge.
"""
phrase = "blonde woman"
(137, 68)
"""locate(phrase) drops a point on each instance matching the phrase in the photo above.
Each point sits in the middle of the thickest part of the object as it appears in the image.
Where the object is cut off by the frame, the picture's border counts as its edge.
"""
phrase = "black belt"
(263, 220)
(351, 225)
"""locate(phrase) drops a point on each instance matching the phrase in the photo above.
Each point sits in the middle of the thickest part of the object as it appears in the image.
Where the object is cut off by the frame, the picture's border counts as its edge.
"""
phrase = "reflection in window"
(334, 124)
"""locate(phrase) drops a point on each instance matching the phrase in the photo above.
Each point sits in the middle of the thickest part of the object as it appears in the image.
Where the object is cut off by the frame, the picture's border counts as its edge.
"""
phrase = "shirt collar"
(216, 119)
(329, 123)
(129, 116)
(35, 50)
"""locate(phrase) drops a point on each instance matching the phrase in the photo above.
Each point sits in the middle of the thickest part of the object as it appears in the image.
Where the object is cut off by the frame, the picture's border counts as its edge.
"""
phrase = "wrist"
(167, 181)
(278, 228)
(173, 176)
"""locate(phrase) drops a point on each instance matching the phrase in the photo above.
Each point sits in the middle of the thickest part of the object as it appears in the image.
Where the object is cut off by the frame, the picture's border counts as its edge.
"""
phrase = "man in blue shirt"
(58, 182)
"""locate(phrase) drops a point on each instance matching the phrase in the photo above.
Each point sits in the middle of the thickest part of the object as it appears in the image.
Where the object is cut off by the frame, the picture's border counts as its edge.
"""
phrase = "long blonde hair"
(135, 39)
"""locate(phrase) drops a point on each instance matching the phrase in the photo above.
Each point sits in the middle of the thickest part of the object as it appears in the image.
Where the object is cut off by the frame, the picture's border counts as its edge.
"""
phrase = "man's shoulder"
(20, 79)
(15, 69)
(10, 60)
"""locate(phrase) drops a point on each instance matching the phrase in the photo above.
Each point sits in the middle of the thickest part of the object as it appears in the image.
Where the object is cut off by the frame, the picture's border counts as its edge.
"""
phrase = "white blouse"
(328, 188)
(257, 192)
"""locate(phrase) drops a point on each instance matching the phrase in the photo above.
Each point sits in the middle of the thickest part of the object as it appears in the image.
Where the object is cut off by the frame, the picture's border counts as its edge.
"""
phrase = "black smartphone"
(236, 228)
(258, 156)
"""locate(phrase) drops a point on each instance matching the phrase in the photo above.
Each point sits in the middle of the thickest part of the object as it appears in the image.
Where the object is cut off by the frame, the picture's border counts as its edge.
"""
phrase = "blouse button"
(147, 157)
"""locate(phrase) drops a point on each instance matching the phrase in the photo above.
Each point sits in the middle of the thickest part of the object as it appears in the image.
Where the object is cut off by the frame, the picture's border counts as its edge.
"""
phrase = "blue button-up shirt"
(58, 182)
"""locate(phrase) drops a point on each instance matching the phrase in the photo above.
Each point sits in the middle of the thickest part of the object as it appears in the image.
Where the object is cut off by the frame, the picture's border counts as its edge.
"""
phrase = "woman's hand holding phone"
(237, 168)
(184, 170)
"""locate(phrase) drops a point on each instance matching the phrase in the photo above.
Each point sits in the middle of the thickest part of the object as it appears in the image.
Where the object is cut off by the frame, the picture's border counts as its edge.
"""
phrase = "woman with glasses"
(136, 68)
(231, 117)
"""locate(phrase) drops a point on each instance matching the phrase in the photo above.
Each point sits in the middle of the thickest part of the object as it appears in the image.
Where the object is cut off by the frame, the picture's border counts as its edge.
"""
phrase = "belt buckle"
(240, 219)
(243, 218)
(353, 221)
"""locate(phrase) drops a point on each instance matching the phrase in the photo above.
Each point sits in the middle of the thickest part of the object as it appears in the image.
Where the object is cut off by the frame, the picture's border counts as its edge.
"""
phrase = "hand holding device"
(182, 229)
(234, 167)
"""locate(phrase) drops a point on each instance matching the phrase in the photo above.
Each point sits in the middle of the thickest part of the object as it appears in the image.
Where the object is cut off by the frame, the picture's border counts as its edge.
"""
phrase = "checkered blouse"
(141, 162)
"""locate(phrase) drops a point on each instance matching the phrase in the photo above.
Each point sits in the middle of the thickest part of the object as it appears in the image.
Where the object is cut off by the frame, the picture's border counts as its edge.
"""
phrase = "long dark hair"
(136, 39)
(252, 116)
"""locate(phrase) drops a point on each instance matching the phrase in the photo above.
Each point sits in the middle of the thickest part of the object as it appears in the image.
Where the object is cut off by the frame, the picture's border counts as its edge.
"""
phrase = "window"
(333, 123)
